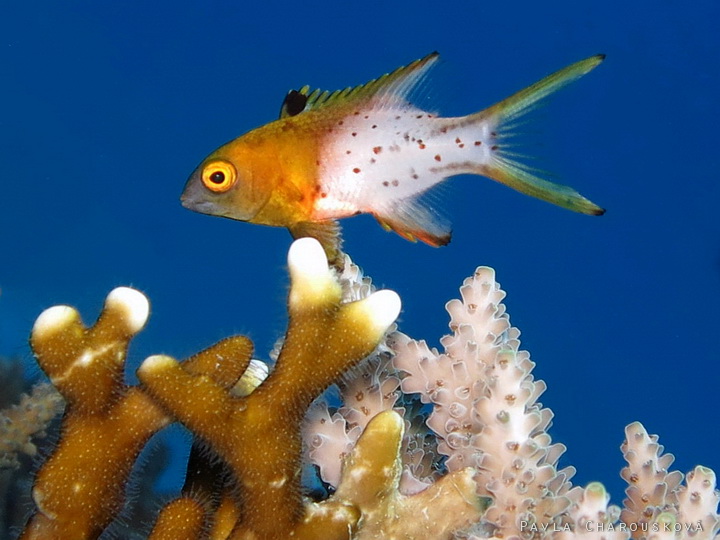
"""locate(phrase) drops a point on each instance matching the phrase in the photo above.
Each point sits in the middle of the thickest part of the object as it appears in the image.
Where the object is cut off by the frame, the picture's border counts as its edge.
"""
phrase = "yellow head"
(226, 185)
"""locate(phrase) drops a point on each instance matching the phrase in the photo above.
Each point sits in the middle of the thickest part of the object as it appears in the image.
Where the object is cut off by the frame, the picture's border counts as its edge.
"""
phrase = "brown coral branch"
(79, 490)
(371, 482)
(259, 435)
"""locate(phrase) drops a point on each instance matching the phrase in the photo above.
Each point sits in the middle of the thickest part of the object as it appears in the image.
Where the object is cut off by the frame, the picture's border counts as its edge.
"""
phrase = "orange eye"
(219, 176)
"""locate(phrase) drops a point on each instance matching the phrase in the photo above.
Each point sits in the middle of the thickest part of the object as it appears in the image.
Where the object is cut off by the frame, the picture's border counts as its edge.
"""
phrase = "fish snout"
(195, 195)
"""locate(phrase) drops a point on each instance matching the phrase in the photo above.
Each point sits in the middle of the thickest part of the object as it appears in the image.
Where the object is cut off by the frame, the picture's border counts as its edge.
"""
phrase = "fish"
(369, 150)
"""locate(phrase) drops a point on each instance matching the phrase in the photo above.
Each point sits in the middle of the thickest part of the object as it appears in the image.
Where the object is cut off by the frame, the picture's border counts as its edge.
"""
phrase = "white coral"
(485, 415)
(485, 410)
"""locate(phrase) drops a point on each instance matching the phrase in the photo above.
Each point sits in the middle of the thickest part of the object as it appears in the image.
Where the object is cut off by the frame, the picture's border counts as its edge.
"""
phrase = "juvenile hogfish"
(367, 149)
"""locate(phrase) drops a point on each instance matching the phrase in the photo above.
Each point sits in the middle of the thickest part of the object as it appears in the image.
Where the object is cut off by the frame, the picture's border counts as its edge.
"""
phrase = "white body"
(381, 157)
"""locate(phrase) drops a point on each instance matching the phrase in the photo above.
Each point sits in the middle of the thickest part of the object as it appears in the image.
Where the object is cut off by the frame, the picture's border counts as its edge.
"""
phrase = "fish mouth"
(187, 202)
(193, 197)
(203, 207)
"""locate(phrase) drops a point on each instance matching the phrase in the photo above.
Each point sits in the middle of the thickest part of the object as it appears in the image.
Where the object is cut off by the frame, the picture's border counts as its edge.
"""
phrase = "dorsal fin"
(386, 89)
(294, 102)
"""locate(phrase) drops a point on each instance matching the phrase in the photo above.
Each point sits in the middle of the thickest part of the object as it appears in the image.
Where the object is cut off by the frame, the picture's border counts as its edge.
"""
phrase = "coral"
(485, 415)
(413, 444)
(26, 431)
(484, 409)
(655, 496)
(325, 338)
(590, 518)
(79, 489)
(310, 360)
(28, 419)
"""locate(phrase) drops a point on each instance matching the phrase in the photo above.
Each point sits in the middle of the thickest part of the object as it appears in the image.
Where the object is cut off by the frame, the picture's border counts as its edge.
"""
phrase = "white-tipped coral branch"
(656, 501)
(590, 517)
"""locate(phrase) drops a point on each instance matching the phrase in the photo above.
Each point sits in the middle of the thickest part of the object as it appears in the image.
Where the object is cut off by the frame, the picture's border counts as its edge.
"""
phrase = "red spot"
(340, 123)
(478, 143)
(437, 157)
(348, 151)
(461, 145)
(415, 176)
(354, 133)
(372, 160)
(377, 149)
(422, 146)
(419, 116)
(356, 113)
(494, 147)
(374, 126)
(317, 162)
(356, 170)
(395, 183)
(386, 183)
(366, 117)
(457, 140)
(398, 117)
(443, 130)
(323, 194)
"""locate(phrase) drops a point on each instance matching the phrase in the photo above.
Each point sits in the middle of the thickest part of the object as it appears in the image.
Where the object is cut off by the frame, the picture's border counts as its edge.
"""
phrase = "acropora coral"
(413, 443)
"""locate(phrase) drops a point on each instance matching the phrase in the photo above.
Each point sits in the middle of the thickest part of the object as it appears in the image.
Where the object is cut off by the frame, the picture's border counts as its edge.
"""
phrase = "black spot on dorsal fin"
(386, 89)
(293, 104)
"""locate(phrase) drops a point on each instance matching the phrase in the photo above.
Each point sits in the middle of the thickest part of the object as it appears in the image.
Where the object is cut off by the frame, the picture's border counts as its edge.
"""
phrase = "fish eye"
(219, 176)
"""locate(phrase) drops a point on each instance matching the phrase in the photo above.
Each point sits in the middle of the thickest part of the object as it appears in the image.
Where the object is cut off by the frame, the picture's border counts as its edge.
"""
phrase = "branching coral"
(485, 415)
(256, 494)
(80, 488)
(485, 410)
(324, 339)
(486, 467)
(27, 420)
(655, 497)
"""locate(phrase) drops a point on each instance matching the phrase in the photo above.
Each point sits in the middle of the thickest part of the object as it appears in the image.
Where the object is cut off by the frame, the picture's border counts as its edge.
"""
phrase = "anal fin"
(414, 221)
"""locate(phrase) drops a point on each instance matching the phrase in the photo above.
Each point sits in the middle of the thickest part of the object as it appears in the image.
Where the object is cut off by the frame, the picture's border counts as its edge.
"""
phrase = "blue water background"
(108, 106)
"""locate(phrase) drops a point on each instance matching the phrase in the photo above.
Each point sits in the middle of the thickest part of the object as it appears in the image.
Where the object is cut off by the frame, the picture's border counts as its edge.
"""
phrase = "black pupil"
(218, 177)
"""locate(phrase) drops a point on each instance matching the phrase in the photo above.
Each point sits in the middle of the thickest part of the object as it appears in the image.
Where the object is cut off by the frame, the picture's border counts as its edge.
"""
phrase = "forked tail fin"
(504, 169)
